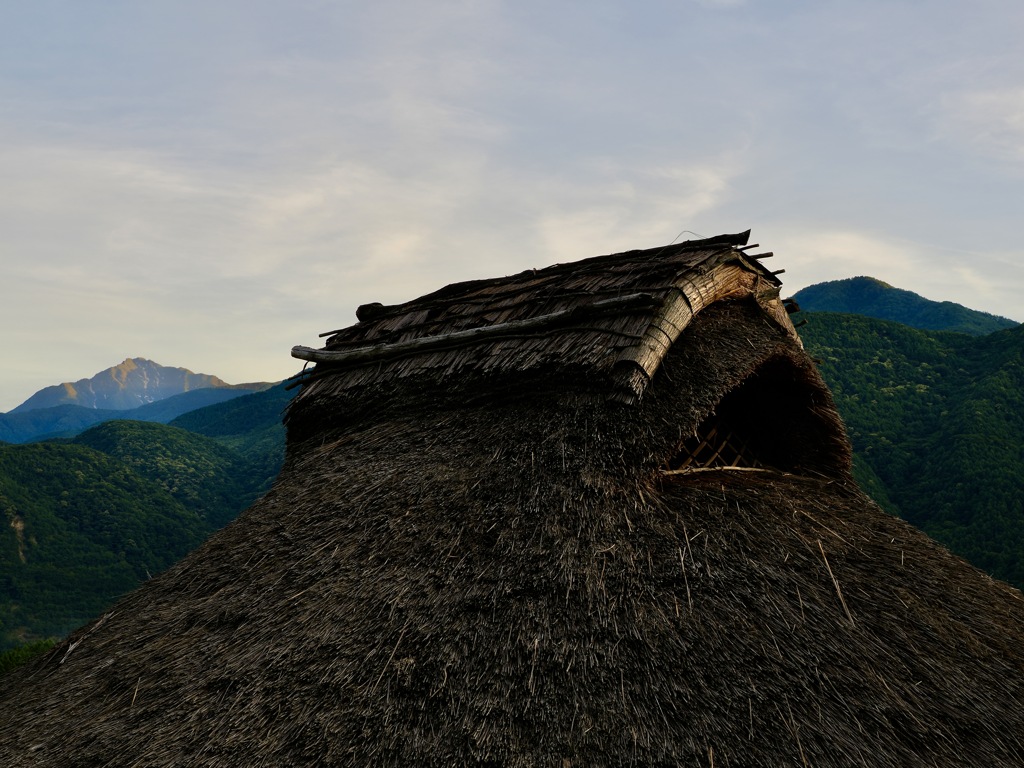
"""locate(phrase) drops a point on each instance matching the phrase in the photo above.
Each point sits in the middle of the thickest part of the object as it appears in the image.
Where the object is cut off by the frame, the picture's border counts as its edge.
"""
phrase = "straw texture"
(505, 571)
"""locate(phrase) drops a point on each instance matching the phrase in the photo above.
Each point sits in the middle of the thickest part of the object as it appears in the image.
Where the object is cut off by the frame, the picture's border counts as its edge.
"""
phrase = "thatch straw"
(499, 573)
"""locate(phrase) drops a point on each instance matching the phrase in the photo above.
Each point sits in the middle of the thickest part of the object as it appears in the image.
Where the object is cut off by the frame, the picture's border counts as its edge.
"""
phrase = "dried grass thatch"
(507, 570)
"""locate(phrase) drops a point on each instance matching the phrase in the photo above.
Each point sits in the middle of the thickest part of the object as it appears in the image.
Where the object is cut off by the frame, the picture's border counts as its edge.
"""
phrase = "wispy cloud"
(814, 256)
(618, 208)
(987, 121)
(933, 270)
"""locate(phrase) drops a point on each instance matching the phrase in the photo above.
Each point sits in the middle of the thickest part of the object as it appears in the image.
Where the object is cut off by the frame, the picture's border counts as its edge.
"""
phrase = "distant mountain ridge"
(70, 420)
(869, 297)
(135, 382)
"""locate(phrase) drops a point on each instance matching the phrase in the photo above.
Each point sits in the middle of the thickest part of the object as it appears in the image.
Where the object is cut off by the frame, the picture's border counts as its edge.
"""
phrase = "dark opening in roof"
(770, 420)
(717, 443)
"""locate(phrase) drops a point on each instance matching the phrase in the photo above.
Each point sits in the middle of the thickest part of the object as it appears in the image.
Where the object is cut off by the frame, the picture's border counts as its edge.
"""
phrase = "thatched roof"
(474, 560)
(613, 315)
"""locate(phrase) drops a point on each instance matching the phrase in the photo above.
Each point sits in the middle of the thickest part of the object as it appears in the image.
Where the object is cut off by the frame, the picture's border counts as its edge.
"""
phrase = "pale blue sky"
(207, 184)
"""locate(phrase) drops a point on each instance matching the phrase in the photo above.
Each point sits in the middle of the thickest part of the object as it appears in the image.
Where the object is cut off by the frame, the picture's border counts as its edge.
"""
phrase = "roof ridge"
(376, 310)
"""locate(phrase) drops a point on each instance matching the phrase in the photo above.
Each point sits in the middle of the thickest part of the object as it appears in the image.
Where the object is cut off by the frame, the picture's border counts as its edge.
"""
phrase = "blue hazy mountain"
(137, 389)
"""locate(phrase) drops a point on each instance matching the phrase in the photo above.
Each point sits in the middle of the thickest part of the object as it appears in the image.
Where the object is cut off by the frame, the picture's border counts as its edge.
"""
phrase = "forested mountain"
(88, 519)
(80, 528)
(251, 425)
(134, 382)
(937, 424)
(207, 478)
(60, 420)
(873, 298)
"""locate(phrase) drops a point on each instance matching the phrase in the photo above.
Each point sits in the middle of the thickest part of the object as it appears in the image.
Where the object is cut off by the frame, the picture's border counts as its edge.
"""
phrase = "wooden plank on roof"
(542, 324)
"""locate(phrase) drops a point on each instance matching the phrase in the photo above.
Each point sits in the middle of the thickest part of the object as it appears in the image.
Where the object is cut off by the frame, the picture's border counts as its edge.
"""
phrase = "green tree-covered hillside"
(937, 424)
(80, 529)
(88, 519)
(204, 476)
(251, 425)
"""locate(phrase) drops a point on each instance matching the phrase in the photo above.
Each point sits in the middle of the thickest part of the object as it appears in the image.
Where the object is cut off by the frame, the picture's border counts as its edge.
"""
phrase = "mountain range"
(936, 420)
(133, 383)
(137, 389)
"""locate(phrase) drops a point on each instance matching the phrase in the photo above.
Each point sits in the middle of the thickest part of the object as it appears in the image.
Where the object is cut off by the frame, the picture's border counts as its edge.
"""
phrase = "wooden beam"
(532, 325)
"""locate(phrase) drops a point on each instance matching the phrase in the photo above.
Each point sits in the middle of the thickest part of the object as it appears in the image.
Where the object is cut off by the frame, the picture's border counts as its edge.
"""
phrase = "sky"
(209, 183)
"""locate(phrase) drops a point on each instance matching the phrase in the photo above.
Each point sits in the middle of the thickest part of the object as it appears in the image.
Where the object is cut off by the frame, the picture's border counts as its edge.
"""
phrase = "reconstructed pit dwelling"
(599, 514)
